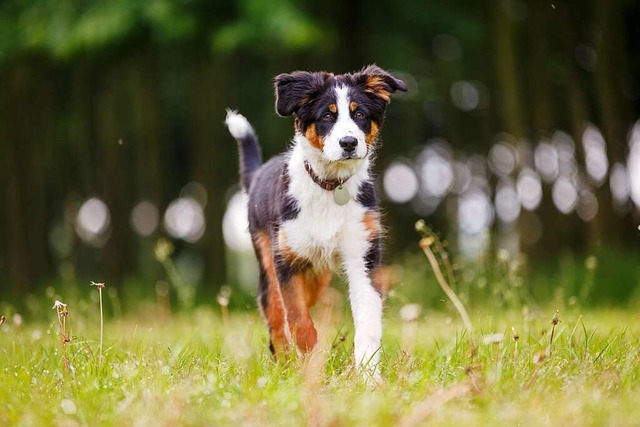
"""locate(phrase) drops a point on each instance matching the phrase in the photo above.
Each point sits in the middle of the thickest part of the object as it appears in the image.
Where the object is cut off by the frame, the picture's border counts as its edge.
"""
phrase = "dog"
(313, 210)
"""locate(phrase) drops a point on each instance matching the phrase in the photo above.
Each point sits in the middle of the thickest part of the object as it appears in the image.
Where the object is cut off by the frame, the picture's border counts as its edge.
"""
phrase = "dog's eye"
(327, 117)
(359, 115)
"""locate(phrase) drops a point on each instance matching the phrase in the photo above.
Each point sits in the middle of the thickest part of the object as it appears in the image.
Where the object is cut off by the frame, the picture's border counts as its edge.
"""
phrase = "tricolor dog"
(313, 210)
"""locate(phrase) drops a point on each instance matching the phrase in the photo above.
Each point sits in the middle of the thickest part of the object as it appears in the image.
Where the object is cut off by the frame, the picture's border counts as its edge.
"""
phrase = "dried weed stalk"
(100, 287)
(223, 299)
(63, 312)
(431, 244)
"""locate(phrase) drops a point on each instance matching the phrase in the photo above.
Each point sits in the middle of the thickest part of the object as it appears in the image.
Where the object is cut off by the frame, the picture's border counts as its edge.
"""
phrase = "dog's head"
(340, 115)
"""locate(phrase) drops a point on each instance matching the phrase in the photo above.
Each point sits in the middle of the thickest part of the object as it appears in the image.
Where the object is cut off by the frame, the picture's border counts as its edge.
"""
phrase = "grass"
(193, 368)
(495, 356)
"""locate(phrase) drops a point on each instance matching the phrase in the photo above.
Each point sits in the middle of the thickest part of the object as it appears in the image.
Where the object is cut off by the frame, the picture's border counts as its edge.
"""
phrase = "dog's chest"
(317, 233)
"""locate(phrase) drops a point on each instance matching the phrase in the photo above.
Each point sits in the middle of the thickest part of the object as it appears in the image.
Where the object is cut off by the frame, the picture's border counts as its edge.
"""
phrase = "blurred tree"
(124, 100)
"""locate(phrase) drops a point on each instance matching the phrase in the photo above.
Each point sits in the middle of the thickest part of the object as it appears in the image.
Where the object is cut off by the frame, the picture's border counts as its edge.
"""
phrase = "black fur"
(295, 89)
(267, 209)
(374, 254)
(263, 286)
(267, 204)
(367, 196)
(250, 157)
(305, 95)
(284, 271)
(289, 209)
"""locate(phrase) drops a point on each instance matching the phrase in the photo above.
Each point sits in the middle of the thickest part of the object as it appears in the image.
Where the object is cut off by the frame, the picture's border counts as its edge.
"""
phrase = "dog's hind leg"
(269, 297)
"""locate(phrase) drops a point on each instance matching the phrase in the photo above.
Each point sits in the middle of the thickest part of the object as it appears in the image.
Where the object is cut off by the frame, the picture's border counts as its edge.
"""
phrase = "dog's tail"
(248, 148)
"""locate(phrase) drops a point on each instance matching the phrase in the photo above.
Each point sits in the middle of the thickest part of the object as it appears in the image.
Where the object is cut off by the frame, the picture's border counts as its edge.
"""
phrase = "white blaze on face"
(343, 127)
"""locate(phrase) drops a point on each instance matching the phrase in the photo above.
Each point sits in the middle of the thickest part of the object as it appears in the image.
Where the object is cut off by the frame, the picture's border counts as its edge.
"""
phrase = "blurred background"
(518, 140)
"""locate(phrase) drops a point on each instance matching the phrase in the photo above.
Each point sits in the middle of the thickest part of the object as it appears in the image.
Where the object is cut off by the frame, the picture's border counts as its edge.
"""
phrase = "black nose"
(348, 143)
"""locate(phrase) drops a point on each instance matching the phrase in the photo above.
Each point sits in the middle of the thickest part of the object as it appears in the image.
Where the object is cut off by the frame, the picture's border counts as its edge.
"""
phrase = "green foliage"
(524, 363)
(264, 24)
(67, 28)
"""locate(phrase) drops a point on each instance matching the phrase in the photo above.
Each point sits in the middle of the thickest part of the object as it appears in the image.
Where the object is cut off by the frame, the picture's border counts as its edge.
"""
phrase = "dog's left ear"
(380, 82)
(296, 89)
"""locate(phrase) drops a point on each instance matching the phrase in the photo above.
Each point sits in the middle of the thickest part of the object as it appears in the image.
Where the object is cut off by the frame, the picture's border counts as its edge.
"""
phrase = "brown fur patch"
(333, 108)
(274, 312)
(315, 284)
(353, 106)
(376, 85)
(301, 293)
(371, 223)
(380, 281)
(313, 137)
(373, 133)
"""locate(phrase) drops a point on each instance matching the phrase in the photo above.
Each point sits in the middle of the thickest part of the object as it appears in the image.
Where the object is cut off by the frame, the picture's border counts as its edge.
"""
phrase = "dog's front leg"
(361, 256)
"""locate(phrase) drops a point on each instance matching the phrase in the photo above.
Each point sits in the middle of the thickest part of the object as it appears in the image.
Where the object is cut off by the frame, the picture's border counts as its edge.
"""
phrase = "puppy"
(313, 211)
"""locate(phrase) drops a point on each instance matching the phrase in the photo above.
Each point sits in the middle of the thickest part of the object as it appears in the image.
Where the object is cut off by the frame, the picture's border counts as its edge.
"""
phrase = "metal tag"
(341, 195)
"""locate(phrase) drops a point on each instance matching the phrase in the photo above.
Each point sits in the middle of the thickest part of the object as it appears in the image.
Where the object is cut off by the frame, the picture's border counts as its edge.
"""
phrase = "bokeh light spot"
(564, 195)
(184, 219)
(502, 158)
(507, 202)
(93, 221)
(145, 218)
(400, 182)
(596, 160)
(475, 213)
(529, 189)
(235, 223)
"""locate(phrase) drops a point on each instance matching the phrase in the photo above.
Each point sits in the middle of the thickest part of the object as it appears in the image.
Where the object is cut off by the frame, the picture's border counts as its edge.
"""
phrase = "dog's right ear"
(296, 89)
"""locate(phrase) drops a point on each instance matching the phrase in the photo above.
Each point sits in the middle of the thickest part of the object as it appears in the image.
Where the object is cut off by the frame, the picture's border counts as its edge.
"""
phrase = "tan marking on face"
(370, 138)
(313, 137)
(353, 106)
(333, 108)
(376, 85)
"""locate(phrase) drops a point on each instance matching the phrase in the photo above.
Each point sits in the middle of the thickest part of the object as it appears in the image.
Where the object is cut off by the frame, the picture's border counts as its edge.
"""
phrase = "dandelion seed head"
(98, 285)
(58, 305)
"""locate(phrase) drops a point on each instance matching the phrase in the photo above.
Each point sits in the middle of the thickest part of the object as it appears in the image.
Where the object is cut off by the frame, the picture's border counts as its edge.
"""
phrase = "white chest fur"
(318, 232)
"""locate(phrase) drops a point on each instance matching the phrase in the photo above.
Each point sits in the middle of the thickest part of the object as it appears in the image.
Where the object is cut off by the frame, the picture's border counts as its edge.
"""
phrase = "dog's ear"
(380, 82)
(296, 89)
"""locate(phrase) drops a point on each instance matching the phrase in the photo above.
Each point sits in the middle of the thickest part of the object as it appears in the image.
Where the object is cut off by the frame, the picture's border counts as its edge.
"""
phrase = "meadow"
(561, 362)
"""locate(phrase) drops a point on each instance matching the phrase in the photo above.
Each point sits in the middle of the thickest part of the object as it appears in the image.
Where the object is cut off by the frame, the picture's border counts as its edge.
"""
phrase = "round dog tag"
(341, 195)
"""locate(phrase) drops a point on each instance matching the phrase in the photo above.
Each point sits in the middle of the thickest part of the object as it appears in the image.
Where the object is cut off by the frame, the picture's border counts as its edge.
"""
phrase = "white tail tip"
(238, 125)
